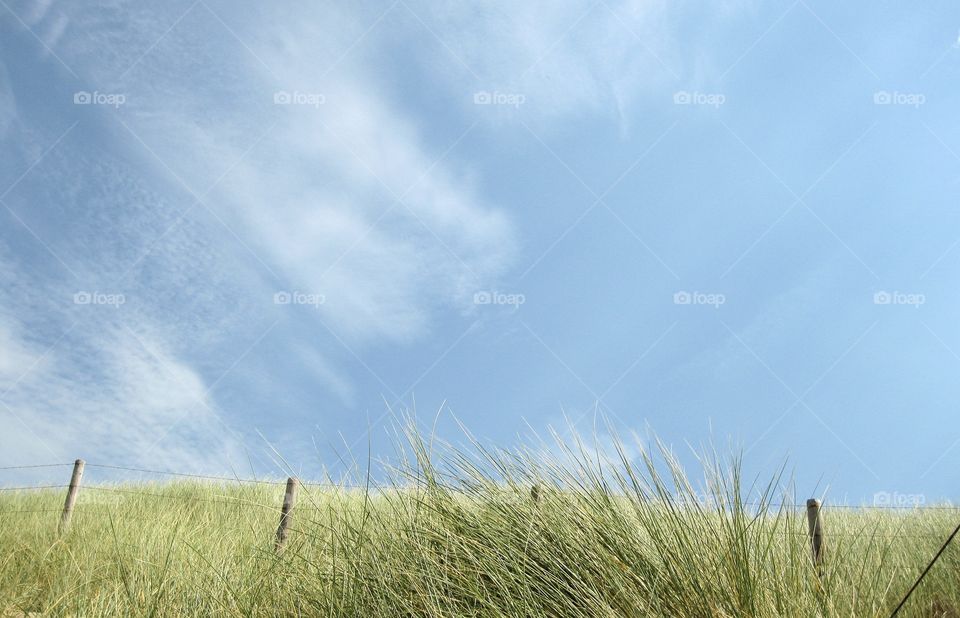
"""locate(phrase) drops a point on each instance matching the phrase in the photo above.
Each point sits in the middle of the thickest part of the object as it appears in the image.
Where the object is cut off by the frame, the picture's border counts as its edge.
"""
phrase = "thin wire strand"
(184, 474)
(862, 507)
(221, 500)
(223, 478)
(52, 465)
(28, 487)
(766, 505)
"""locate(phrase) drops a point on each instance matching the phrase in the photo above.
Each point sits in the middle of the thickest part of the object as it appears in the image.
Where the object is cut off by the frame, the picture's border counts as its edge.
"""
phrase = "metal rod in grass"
(916, 584)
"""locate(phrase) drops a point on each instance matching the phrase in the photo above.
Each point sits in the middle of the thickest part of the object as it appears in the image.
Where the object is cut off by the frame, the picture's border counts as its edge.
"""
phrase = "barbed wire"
(52, 465)
(890, 507)
(231, 479)
(763, 507)
(218, 500)
(113, 510)
(183, 474)
(826, 506)
(769, 506)
(866, 535)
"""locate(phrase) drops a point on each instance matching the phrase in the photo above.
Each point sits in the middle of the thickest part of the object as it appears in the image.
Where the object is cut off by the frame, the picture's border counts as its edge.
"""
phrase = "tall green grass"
(463, 532)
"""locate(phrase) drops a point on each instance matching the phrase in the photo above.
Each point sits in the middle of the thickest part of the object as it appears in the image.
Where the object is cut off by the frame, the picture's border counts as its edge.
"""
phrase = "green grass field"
(604, 538)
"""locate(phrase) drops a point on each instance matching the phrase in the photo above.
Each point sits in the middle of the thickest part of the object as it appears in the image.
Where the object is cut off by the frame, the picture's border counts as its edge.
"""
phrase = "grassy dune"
(461, 535)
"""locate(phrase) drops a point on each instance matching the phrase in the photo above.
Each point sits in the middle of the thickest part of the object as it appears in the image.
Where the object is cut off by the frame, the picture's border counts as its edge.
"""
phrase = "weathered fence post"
(72, 492)
(286, 512)
(815, 527)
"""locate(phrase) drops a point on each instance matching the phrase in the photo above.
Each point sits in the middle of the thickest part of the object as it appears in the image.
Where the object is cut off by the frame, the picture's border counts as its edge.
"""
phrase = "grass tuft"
(568, 530)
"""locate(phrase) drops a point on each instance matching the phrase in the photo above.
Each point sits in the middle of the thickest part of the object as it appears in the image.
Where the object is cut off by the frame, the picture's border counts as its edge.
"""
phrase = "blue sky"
(223, 225)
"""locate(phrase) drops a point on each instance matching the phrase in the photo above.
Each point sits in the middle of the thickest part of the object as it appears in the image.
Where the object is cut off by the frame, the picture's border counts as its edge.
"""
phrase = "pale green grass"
(605, 538)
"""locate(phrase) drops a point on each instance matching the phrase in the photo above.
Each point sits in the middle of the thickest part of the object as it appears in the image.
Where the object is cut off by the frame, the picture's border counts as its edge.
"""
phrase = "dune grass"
(463, 533)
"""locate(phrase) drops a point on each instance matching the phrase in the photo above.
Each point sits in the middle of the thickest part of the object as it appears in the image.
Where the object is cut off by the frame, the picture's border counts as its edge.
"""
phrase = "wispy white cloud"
(35, 11)
(119, 397)
(55, 29)
(345, 195)
(313, 196)
(302, 199)
(16, 355)
(571, 58)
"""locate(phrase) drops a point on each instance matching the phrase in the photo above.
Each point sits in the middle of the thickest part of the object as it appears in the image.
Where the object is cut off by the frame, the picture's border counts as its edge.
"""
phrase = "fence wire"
(761, 507)
(768, 506)
(52, 465)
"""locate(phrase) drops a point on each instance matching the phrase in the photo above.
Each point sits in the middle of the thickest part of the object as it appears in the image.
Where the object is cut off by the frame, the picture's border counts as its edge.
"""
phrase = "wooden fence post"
(815, 528)
(286, 512)
(72, 492)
